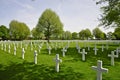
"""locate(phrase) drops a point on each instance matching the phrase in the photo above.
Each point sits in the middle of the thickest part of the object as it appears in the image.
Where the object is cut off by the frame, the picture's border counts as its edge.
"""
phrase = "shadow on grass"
(30, 71)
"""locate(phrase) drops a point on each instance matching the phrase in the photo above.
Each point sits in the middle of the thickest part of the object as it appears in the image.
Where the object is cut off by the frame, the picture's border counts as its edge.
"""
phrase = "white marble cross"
(78, 49)
(88, 48)
(14, 50)
(102, 48)
(83, 54)
(77, 45)
(49, 50)
(99, 69)
(63, 50)
(95, 49)
(9, 49)
(35, 57)
(117, 51)
(112, 55)
(107, 46)
(39, 48)
(57, 60)
(4, 47)
(23, 52)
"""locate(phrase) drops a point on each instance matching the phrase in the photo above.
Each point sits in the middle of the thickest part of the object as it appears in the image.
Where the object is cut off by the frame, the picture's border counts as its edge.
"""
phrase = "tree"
(49, 24)
(74, 35)
(103, 36)
(85, 34)
(82, 34)
(4, 32)
(18, 30)
(36, 34)
(97, 33)
(67, 35)
(110, 13)
(117, 33)
(110, 36)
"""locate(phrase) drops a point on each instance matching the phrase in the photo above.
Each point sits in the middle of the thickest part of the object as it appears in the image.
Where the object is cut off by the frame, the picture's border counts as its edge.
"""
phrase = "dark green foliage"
(4, 32)
(18, 30)
(110, 13)
(98, 34)
(111, 36)
(117, 33)
(85, 34)
(74, 35)
(49, 24)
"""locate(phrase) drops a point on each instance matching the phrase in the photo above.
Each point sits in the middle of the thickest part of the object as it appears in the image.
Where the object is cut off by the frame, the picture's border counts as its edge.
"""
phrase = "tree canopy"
(49, 24)
(85, 34)
(18, 30)
(4, 32)
(98, 34)
(74, 35)
(110, 13)
(117, 33)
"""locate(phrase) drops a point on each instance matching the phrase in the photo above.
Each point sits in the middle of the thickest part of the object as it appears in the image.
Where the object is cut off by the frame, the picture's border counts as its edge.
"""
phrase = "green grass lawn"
(72, 67)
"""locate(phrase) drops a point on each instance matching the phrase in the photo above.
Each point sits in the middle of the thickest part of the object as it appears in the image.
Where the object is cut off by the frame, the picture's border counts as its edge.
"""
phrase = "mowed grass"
(72, 67)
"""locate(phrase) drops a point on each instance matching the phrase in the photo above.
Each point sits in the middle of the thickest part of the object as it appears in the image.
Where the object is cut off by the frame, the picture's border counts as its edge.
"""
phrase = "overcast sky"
(74, 14)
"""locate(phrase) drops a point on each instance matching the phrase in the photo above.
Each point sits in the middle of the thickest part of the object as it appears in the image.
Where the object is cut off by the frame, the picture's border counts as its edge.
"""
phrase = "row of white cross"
(98, 68)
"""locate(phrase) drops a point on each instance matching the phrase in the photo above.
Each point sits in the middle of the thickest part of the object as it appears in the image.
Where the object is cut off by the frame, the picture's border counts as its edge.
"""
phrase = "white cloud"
(26, 6)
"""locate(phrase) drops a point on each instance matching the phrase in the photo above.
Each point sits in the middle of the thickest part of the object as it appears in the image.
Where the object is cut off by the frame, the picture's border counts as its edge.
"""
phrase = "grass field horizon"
(72, 67)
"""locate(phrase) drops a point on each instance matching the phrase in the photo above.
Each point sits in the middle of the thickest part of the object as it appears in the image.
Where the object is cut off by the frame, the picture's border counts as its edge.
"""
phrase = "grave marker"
(23, 52)
(83, 54)
(14, 50)
(63, 50)
(57, 60)
(117, 51)
(9, 49)
(88, 48)
(112, 55)
(4, 47)
(95, 49)
(99, 69)
(35, 57)
(78, 49)
(102, 48)
(39, 48)
(49, 50)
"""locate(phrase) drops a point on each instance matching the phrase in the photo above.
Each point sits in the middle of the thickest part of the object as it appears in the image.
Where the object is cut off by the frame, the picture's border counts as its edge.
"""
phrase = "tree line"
(49, 26)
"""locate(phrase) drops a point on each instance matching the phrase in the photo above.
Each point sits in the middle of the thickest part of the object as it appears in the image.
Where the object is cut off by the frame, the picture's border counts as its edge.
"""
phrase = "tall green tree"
(74, 35)
(4, 32)
(117, 33)
(67, 35)
(82, 34)
(18, 30)
(103, 36)
(110, 13)
(85, 34)
(49, 23)
(97, 33)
